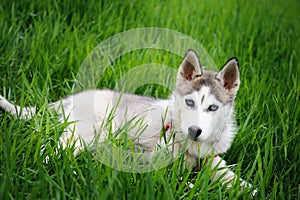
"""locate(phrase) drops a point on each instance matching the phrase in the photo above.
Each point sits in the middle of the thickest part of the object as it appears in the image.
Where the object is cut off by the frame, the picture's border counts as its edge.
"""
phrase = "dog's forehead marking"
(208, 80)
(205, 94)
(202, 95)
(202, 99)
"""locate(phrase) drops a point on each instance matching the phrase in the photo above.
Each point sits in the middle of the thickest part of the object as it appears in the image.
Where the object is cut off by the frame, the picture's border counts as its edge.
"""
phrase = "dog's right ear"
(190, 67)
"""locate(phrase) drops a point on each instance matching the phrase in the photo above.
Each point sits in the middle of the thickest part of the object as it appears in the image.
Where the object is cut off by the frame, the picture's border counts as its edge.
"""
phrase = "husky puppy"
(200, 112)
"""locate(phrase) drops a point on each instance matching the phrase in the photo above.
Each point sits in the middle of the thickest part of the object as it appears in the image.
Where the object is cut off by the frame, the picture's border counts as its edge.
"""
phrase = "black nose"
(194, 132)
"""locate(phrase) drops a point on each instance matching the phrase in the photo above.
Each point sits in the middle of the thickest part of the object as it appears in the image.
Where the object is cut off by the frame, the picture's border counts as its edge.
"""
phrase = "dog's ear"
(190, 67)
(229, 76)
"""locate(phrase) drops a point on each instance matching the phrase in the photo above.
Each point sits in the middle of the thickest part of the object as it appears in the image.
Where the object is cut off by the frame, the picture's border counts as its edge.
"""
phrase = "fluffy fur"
(201, 108)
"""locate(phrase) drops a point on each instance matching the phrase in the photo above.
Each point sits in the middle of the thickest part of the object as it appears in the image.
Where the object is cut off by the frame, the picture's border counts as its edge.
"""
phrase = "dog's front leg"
(227, 176)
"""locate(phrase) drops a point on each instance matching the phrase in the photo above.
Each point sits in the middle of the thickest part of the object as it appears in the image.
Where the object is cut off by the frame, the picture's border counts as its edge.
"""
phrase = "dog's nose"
(194, 132)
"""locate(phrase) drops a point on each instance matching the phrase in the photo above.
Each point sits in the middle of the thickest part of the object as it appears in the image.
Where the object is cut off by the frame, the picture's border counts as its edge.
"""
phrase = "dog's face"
(202, 115)
(205, 98)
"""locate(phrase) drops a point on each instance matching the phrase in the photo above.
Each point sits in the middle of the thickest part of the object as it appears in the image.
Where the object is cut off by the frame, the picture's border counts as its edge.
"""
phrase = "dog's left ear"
(229, 76)
(190, 67)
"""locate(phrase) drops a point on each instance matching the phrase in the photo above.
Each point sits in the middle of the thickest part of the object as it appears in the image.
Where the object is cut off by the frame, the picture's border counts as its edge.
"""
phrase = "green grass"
(42, 45)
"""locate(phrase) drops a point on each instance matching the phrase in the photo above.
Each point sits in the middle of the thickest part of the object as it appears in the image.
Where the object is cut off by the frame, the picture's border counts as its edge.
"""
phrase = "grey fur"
(90, 108)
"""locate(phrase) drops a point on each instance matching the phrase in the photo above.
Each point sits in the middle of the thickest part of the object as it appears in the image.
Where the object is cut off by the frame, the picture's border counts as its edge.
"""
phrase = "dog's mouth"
(198, 139)
(193, 139)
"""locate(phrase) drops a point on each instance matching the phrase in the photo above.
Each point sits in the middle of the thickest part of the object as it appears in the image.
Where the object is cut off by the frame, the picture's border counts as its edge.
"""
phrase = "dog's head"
(204, 99)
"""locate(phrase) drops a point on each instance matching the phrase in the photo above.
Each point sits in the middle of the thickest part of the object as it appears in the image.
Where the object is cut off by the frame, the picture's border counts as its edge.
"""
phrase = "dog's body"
(200, 109)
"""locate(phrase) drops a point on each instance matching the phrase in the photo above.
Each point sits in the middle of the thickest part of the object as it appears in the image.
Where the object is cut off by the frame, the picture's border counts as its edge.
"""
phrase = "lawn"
(44, 45)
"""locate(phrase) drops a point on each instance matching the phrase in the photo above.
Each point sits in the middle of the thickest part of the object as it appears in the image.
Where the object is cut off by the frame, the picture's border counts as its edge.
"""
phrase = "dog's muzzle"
(194, 132)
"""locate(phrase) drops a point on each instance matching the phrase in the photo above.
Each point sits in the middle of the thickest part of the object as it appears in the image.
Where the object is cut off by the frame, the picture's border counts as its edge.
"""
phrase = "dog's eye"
(190, 102)
(213, 107)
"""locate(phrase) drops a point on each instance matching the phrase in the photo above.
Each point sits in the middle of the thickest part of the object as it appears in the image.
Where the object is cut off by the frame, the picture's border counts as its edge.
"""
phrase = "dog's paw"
(246, 185)
(254, 192)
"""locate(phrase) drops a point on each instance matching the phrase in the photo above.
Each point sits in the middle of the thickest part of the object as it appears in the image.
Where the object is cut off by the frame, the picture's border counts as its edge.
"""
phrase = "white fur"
(89, 110)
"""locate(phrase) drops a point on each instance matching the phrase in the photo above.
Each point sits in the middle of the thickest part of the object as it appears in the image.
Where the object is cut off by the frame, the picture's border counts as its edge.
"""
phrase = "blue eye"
(213, 107)
(190, 102)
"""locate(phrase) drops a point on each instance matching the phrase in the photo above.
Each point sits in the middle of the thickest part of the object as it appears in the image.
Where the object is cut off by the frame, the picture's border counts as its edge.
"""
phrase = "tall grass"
(43, 44)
